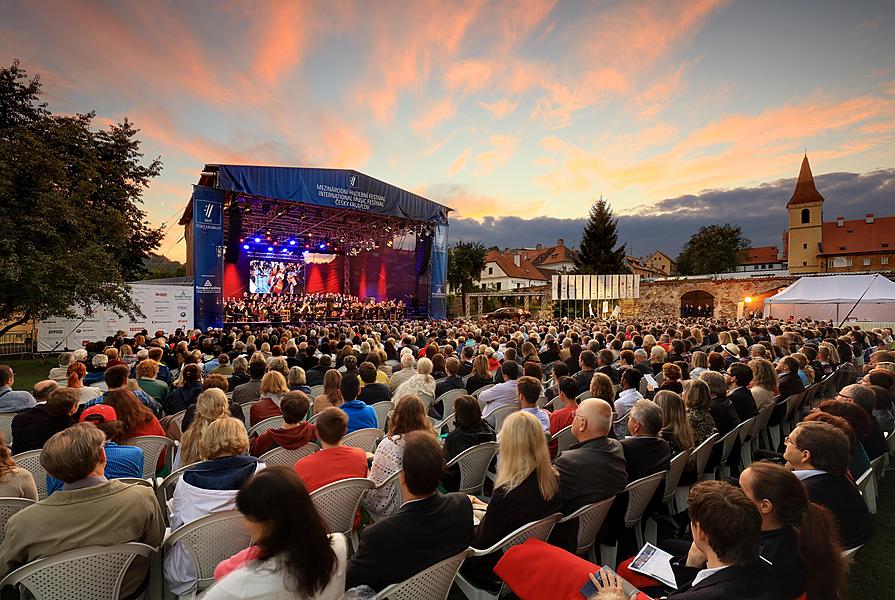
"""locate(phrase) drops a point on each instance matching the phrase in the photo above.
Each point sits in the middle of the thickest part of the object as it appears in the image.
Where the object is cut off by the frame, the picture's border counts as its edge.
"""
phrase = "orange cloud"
(283, 36)
(500, 108)
(459, 162)
(434, 115)
(503, 146)
(469, 75)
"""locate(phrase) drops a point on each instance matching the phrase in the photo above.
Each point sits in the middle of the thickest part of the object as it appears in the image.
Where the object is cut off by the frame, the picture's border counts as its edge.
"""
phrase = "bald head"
(594, 419)
(42, 389)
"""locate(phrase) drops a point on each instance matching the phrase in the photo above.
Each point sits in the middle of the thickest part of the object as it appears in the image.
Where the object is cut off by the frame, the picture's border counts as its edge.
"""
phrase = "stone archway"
(697, 303)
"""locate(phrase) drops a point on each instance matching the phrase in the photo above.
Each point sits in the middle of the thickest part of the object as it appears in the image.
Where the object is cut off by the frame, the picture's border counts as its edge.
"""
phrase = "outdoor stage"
(262, 233)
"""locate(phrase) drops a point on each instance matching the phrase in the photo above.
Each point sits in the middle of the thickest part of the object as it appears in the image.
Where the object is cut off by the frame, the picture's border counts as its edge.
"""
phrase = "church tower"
(806, 220)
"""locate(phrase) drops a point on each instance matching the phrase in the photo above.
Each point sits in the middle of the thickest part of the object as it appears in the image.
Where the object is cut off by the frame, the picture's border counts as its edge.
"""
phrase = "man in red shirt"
(335, 462)
(562, 417)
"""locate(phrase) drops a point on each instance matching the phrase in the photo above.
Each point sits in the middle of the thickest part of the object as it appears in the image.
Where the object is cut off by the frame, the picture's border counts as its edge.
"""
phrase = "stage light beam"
(245, 246)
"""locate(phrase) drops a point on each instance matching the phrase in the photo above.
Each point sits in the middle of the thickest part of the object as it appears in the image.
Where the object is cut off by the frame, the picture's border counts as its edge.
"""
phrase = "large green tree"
(712, 249)
(598, 254)
(70, 202)
(465, 263)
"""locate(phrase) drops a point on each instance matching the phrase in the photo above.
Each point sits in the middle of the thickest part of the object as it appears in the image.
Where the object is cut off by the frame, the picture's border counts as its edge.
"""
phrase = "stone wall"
(664, 297)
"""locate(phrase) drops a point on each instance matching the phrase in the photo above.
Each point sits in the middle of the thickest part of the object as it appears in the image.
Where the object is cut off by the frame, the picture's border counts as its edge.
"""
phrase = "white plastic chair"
(501, 413)
(178, 419)
(6, 425)
(164, 491)
(365, 439)
(391, 480)
(538, 529)
(584, 396)
(30, 461)
(9, 507)
(337, 503)
(382, 411)
(747, 432)
(564, 438)
(726, 444)
(433, 583)
(867, 486)
(207, 541)
(286, 457)
(669, 496)
(153, 446)
(640, 493)
(275, 422)
(447, 400)
(479, 391)
(473, 463)
(590, 520)
(316, 390)
(91, 573)
(247, 412)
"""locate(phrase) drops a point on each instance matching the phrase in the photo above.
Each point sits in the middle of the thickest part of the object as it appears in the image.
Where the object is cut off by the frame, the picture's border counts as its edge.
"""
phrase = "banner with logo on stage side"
(208, 254)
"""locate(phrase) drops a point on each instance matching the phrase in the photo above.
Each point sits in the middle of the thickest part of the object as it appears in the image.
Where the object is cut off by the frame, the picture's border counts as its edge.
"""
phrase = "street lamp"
(748, 299)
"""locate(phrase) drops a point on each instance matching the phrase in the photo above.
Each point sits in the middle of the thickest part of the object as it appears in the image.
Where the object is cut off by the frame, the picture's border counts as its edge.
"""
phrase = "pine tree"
(596, 254)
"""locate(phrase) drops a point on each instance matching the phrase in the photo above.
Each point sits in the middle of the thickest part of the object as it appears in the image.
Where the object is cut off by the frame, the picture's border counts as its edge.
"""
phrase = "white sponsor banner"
(166, 308)
(554, 286)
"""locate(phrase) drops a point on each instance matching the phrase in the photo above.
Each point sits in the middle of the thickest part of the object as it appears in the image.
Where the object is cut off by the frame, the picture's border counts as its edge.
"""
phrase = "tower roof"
(805, 192)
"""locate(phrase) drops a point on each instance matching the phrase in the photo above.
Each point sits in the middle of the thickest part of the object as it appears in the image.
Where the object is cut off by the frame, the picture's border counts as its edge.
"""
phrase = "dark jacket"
(227, 473)
(583, 379)
(32, 427)
(315, 376)
(645, 456)
(465, 368)
(611, 371)
(724, 415)
(743, 403)
(842, 498)
(474, 383)
(457, 441)
(789, 384)
(419, 535)
(446, 384)
(180, 398)
(781, 548)
(750, 582)
(375, 392)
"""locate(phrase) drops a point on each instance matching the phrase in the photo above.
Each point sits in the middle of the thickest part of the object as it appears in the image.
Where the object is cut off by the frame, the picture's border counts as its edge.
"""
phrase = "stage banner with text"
(208, 253)
(437, 296)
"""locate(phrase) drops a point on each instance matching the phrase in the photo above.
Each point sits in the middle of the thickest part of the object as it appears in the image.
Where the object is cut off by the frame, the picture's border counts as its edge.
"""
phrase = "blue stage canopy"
(333, 188)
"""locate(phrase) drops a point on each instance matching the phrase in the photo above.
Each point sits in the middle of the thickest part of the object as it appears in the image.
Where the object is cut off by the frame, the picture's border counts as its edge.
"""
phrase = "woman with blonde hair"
(526, 489)
(211, 405)
(764, 382)
(273, 388)
(409, 415)
(298, 380)
(480, 375)
(76, 373)
(676, 428)
(332, 392)
(601, 387)
(419, 384)
(15, 482)
(698, 401)
(700, 363)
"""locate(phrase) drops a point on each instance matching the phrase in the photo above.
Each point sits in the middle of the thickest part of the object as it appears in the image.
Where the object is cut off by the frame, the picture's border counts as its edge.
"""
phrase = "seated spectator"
(671, 378)
(645, 452)
(739, 376)
(406, 537)
(818, 454)
(561, 418)
(79, 516)
(273, 388)
(798, 537)
(480, 376)
(60, 374)
(224, 368)
(12, 400)
(211, 405)
(297, 380)
(164, 373)
(251, 390)
(859, 461)
(295, 432)
(332, 392)
(627, 397)
(112, 353)
(605, 358)
(788, 380)
(502, 394)
(147, 379)
(722, 410)
(136, 419)
(372, 391)
(121, 460)
(316, 374)
(698, 400)
(526, 489)
(471, 430)
(528, 391)
(452, 380)
(422, 383)
(591, 470)
(601, 387)
(439, 371)
(676, 428)
(335, 461)
(212, 381)
(76, 373)
(409, 415)
(764, 383)
(873, 440)
(292, 556)
(15, 482)
(240, 372)
(207, 487)
(100, 363)
(360, 415)
(116, 378)
(587, 362)
(642, 363)
(32, 427)
(700, 362)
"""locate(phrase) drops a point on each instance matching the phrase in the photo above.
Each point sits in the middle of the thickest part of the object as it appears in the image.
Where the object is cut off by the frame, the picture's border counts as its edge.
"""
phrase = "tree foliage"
(465, 263)
(70, 201)
(162, 267)
(598, 254)
(712, 249)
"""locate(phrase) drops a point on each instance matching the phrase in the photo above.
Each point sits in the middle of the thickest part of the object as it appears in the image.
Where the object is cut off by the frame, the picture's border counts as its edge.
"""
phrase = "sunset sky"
(497, 109)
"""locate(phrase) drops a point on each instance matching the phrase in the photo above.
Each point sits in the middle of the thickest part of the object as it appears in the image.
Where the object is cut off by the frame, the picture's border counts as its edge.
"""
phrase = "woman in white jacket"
(420, 384)
(208, 487)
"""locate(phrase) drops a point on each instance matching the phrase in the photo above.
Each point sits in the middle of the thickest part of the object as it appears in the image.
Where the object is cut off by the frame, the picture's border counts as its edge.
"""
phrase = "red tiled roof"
(636, 263)
(859, 237)
(758, 256)
(556, 254)
(805, 191)
(525, 270)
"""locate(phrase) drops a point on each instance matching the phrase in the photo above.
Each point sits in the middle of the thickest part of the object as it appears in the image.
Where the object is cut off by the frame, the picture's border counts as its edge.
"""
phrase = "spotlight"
(291, 242)
(323, 246)
(245, 246)
(285, 250)
(257, 240)
(241, 240)
(270, 248)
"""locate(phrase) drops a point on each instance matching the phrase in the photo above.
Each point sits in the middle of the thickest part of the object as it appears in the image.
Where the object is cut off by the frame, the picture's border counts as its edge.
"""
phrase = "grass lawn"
(871, 576)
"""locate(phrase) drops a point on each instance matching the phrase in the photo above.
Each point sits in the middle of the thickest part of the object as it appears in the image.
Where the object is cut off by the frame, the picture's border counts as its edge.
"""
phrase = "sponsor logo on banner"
(208, 214)
(352, 180)
(161, 294)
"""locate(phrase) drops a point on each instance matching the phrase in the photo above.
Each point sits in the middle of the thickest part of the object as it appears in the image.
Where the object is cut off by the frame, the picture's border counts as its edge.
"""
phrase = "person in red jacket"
(335, 462)
(137, 419)
(295, 433)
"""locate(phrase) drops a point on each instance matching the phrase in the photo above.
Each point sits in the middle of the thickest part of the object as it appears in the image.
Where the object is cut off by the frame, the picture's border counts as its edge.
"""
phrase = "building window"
(490, 270)
(498, 285)
(804, 246)
(849, 263)
(884, 260)
(806, 215)
(866, 262)
(804, 263)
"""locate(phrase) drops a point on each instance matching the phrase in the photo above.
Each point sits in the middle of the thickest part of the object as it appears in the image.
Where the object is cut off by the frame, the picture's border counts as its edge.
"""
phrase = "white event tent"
(833, 297)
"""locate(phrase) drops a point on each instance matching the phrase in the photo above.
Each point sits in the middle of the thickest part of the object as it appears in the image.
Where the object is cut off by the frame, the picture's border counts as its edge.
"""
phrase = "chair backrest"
(584, 396)
(316, 390)
(501, 413)
(640, 492)
(448, 398)
(747, 429)
(178, 419)
(426, 399)
(622, 420)
(876, 465)
(313, 418)
(564, 438)
(30, 461)
(153, 446)
(590, 520)
(762, 420)
(473, 463)
(479, 391)
(165, 490)
(537, 529)
(703, 452)
(337, 502)
(6, 425)
(247, 411)
(726, 443)
(365, 439)
(260, 427)
(433, 583)
(9, 507)
(91, 573)
(210, 539)
(864, 480)
(382, 409)
(675, 471)
(286, 457)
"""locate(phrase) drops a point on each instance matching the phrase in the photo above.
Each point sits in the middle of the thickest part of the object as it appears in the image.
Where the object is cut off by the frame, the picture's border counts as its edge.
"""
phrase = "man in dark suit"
(788, 380)
(372, 392)
(586, 363)
(605, 359)
(315, 375)
(428, 528)
(738, 377)
(466, 364)
(592, 470)
(818, 453)
(645, 452)
(453, 381)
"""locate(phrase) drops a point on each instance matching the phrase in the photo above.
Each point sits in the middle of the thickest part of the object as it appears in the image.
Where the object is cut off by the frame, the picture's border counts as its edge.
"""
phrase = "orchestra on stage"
(286, 308)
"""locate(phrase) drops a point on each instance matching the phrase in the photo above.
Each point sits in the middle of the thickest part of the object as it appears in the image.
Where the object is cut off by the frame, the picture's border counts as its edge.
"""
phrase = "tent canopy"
(834, 296)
